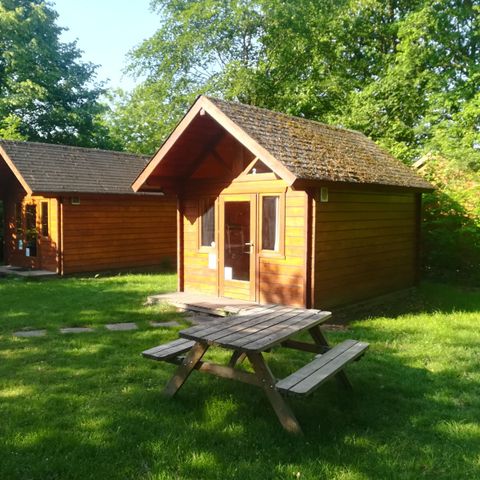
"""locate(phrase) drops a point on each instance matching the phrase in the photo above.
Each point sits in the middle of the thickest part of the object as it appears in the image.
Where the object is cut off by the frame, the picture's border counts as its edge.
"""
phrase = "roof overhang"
(305, 184)
(15, 171)
(203, 106)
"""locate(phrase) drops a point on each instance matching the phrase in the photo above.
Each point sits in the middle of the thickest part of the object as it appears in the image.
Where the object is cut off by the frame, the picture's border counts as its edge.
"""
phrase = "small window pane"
(18, 218)
(45, 219)
(208, 227)
(31, 230)
(270, 223)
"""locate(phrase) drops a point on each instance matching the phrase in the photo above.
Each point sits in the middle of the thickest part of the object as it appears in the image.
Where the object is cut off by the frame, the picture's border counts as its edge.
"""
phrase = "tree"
(402, 71)
(46, 93)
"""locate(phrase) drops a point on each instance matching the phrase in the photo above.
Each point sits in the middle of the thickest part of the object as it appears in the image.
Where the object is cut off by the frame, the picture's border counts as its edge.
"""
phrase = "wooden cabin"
(70, 210)
(278, 209)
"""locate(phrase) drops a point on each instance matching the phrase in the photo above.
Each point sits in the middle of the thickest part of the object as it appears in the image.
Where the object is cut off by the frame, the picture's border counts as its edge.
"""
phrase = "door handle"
(249, 244)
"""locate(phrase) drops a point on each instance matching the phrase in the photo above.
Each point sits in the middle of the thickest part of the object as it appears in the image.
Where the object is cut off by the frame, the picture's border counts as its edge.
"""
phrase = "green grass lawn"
(89, 407)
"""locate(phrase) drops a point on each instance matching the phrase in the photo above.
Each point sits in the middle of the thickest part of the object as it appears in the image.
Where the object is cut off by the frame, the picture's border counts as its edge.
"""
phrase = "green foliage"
(451, 227)
(405, 72)
(90, 407)
(46, 93)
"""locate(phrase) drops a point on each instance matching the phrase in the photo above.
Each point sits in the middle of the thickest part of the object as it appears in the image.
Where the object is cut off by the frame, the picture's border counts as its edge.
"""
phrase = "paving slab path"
(125, 326)
(76, 330)
(30, 333)
(121, 326)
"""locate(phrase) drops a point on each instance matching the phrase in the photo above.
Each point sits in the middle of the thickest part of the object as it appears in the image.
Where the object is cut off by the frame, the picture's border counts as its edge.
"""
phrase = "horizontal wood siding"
(118, 232)
(282, 280)
(197, 276)
(365, 245)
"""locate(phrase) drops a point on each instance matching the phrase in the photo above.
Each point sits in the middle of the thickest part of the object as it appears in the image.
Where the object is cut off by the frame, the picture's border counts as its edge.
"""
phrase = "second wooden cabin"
(277, 209)
(71, 209)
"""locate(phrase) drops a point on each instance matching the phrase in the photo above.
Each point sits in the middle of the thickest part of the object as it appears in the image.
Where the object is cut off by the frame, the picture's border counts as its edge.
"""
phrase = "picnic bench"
(251, 334)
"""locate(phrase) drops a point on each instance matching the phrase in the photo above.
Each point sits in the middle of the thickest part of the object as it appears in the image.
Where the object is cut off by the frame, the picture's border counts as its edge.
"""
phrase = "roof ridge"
(287, 115)
(73, 147)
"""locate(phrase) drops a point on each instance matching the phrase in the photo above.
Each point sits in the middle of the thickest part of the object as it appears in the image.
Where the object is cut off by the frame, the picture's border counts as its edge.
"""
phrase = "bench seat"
(321, 368)
(170, 350)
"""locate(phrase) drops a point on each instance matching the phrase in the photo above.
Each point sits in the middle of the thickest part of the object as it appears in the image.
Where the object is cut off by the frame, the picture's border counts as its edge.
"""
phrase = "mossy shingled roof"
(316, 151)
(48, 168)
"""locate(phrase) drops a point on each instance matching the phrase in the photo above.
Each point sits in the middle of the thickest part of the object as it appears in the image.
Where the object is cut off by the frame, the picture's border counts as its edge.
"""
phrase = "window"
(18, 219)
(45, 219)
(270, 223)
(207, 223)
(31, 230)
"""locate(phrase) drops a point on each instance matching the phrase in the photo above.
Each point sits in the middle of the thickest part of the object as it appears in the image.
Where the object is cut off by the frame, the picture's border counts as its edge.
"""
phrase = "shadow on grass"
(86, 301)
(429, 297)
(91, 407)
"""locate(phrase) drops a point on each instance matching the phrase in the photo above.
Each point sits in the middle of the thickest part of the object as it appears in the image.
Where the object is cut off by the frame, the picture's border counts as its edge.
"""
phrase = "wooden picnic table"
(252, 334)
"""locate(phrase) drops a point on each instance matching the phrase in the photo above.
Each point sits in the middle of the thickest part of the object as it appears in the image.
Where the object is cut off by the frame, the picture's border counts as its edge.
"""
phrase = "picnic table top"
(258, 329)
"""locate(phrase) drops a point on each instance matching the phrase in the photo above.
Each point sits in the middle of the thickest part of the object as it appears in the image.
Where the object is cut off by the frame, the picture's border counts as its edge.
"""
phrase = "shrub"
(451, 225)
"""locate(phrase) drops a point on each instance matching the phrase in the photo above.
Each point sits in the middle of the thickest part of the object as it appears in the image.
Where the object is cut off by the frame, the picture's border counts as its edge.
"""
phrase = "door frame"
(252, 199)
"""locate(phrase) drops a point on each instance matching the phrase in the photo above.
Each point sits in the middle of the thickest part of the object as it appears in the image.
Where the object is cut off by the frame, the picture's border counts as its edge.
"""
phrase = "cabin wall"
(279, 278)
(365, 245)
(283, 280)
(46, 257)
(111, 232)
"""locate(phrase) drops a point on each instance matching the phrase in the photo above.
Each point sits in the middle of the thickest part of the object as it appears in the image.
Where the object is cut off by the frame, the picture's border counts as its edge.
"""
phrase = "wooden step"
(321, 368)
(169, 350)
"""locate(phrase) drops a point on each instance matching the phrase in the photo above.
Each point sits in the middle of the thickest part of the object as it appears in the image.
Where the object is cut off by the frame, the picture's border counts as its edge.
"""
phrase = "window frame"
(280, 253)
(204, 204)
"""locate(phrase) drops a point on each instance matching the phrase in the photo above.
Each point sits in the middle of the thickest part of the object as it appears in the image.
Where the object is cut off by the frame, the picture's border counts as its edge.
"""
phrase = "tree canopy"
(405, 72)
(46, 92)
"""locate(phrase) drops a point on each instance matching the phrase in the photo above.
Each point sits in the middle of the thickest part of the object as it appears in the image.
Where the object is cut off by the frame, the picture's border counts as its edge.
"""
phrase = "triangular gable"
(15, 171)
(201, 107)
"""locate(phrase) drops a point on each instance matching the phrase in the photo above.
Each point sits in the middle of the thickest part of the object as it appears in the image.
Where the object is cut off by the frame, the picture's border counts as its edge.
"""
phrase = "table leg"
(319, 339)
(236, 358)
(185, 369)
(267, 381)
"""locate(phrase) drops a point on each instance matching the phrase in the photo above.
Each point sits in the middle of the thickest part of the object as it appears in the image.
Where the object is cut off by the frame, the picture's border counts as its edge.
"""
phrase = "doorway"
(237, 250)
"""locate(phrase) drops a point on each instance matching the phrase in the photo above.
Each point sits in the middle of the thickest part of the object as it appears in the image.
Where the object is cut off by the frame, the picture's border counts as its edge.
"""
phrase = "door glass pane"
(45, 219)
(237, 240)
(31, 230)
(270, 223)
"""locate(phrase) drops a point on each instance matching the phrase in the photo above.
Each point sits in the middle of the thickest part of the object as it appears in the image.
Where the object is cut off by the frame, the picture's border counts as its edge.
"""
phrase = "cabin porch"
(203, 303)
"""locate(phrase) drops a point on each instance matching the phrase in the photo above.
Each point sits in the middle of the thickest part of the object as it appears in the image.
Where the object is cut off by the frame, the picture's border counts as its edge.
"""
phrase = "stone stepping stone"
(30, 333)
(121, 326)
(172, 323)
(76, 330)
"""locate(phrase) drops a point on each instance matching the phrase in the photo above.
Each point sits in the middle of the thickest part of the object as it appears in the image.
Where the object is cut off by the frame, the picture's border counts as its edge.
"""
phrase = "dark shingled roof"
(62, 169)
(315, 151)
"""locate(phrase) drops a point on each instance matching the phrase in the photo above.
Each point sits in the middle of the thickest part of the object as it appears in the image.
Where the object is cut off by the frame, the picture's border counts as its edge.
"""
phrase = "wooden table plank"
(218, 325)
(254, 332)
(254, 325)
(280, 333)
(263, 330)
(331, 368)
(312, 367)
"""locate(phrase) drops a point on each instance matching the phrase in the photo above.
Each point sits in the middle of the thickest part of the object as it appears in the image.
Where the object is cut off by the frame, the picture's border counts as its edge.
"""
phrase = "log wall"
(365, 245)
(118, 232)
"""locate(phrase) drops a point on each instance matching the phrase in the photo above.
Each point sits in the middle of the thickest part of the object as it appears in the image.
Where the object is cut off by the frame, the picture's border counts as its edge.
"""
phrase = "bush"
(451, 225)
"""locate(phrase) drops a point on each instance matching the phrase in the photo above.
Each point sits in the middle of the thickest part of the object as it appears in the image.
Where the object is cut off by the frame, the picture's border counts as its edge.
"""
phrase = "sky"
(105, 31)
